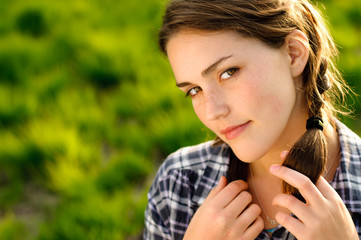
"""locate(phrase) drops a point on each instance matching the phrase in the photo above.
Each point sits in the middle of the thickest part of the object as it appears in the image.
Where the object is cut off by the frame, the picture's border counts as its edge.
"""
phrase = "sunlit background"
(89, 109)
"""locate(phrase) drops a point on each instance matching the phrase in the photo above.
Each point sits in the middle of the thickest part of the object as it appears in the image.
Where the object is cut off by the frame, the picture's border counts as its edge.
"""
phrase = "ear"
(297, 47)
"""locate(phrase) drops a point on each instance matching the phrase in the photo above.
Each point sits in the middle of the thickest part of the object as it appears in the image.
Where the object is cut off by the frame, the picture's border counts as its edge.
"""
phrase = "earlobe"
(298, 51)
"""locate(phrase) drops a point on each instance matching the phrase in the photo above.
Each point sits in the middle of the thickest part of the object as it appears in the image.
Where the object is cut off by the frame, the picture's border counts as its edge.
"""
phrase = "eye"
(228, 73)
(193, 91)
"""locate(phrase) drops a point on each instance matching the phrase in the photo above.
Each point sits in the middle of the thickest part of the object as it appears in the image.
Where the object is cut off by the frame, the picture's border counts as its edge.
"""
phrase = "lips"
(234, 131)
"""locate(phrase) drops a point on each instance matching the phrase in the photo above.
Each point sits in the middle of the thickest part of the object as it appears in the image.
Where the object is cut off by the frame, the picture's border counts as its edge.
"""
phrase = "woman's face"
(241, 89)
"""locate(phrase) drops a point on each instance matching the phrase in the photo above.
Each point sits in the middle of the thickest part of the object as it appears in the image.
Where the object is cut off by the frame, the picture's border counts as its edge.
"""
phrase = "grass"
(89, 109)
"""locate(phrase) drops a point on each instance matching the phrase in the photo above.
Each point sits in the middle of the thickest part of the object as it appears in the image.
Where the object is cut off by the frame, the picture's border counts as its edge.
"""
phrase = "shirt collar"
(347, 179)
(216, 167)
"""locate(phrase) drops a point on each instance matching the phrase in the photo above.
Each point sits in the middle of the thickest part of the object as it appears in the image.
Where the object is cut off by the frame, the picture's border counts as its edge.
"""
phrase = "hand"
(226, 214)
(323, 216)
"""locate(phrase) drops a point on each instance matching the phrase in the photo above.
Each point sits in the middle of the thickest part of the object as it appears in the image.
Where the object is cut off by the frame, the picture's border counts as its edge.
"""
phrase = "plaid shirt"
(187, 176)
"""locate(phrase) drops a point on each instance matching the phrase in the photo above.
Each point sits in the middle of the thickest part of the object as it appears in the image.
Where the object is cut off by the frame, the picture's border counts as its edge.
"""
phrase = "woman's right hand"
(227, 213)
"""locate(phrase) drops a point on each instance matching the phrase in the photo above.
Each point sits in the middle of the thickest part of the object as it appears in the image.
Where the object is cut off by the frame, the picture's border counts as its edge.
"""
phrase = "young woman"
(260, 75)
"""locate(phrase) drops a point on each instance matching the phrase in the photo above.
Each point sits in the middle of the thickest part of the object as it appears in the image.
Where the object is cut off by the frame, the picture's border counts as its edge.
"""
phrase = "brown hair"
(271, 21)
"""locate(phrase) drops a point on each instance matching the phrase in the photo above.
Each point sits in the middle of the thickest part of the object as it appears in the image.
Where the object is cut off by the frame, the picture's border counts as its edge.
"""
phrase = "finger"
(229, 192)
(283, 155)
(239, 203)
(308, 190)
(295, 226)
(326, 189)
(248, 216)
(294, 205)
(255, 229)
(221, 184)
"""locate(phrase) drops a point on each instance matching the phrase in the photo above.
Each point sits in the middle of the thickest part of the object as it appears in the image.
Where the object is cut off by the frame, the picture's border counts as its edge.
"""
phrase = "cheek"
(199, 110)
(276, 103)
(271, 98)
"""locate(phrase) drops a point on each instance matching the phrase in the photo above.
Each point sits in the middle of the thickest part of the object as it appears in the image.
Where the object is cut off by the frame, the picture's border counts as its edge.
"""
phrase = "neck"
(295, 128)
(260, 168)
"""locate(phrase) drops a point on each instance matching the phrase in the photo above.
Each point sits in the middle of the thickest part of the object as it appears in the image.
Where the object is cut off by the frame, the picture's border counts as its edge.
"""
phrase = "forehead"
(195, 42)
(191, 51)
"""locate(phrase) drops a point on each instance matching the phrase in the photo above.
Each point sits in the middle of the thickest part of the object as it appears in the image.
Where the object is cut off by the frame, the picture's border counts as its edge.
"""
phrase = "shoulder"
(182, 183)
(190, 169)
(347, 181)
(347, 135)
(196, 157)
(350, 144)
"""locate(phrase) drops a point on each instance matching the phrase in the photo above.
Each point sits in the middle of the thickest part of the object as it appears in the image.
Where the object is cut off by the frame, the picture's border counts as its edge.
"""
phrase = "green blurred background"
(89, 109)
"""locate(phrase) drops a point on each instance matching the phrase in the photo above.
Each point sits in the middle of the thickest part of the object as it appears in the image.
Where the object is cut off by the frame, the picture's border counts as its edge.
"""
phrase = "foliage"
(88, 110)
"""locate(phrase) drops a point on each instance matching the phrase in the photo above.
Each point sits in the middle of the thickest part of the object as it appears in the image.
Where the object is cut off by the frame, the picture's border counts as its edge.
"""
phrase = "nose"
(215, 105)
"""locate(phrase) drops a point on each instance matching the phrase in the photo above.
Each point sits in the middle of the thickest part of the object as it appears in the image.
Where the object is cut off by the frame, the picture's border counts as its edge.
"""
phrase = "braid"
(309, 153)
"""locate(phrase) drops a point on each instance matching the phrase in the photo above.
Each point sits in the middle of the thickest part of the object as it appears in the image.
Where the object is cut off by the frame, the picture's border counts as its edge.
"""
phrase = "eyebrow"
(206, 71)
(212, 67)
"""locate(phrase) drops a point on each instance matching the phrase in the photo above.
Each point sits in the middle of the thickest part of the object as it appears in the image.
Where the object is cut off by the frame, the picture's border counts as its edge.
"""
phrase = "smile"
(234, 131)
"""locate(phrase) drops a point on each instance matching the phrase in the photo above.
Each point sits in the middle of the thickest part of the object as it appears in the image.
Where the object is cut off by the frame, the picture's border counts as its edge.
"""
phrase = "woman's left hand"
(323, 216)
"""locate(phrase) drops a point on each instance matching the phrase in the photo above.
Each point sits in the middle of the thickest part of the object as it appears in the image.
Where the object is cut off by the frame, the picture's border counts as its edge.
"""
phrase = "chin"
(249, 156)
(249, 151)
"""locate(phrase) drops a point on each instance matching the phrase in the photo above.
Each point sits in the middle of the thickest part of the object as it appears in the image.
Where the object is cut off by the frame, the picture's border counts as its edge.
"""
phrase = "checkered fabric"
(186, 177)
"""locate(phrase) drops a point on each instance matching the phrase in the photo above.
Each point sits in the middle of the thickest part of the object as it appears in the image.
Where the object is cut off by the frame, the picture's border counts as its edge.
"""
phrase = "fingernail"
(275, 167)
(222, 181)
(284, 154)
